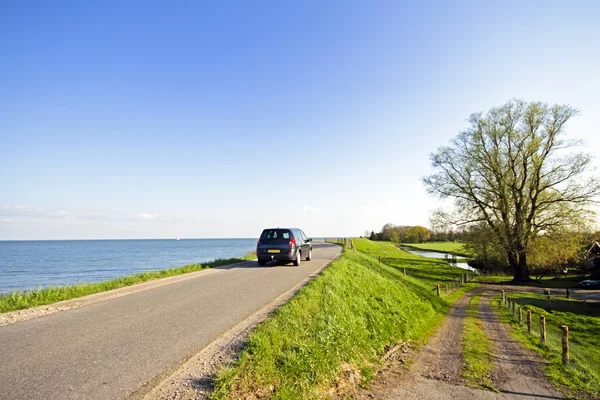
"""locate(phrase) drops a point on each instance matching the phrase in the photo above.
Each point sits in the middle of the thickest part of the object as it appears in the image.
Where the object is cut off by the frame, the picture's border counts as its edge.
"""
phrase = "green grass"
(444, 247)
(583, 372)
(18, 300)
(477, 348)
(430, 270)
(332, 334)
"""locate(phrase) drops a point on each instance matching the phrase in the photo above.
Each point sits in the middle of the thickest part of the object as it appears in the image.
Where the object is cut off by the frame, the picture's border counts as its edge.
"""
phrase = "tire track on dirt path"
(436, 371)
(517, 372)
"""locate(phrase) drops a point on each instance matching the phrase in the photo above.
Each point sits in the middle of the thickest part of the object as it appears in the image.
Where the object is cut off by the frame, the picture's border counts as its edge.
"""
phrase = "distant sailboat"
(177, 238)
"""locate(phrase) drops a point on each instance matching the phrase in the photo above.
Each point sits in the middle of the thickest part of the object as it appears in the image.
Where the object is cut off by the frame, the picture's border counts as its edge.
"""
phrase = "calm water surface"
(436, 254)
(33, 264)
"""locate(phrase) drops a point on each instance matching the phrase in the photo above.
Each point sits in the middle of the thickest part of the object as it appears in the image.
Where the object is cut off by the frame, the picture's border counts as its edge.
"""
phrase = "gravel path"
(436, 370)
(517, 372)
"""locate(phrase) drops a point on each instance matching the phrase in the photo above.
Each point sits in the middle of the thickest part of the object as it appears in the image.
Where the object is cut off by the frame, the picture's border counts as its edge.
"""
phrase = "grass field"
(583, 320)
(331, 336)
(19, 300)
(444, 247)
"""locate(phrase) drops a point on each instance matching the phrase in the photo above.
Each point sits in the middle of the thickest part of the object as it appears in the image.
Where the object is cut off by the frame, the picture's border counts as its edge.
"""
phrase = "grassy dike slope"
(331, 336)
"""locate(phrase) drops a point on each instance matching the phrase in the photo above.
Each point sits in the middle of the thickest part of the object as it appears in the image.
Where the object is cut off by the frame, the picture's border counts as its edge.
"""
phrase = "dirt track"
(436, 370)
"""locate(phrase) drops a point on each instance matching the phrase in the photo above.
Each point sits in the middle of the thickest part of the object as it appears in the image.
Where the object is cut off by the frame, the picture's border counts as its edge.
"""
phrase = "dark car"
(283, 244)
(590, 284)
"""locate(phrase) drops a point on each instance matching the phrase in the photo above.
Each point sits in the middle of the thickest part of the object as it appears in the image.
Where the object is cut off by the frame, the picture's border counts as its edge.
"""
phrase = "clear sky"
(216, 119)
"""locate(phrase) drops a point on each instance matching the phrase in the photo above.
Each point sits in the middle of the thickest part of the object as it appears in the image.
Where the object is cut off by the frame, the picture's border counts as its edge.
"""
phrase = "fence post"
(513, 308)
(446, 288)
(404, 271)
(520, 315)
(503, 296)
(438, 290)
(543, 328)
(529, 322)
(565, 344)
(379, 259)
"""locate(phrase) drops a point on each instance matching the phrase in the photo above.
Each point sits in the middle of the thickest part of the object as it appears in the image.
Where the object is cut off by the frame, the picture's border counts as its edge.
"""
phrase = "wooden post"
(565, 344)
(404, 271)
(520, 315)
(438, 290)
(543, 328)
(529, 321)
(503, 296)
(513, 308)
(446, 288)
(379, 259)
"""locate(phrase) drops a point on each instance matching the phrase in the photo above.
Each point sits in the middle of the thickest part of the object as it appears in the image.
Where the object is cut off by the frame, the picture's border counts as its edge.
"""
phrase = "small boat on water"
(177, 238)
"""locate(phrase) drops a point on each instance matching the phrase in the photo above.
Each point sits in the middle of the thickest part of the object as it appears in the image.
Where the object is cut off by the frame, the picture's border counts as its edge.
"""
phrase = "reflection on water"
(436, 254)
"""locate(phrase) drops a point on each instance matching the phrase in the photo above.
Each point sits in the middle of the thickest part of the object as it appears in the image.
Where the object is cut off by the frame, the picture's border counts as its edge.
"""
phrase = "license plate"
(273, 251)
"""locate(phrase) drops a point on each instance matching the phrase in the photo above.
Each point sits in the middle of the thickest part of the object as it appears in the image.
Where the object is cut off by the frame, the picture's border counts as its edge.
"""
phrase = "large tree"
(515, 170)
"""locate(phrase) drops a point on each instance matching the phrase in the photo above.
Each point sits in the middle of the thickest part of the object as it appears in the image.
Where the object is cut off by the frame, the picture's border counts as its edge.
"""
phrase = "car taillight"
(258, 243)
(292, 242)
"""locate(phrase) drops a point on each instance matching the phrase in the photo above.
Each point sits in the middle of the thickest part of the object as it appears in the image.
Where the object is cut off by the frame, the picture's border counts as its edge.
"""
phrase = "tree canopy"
(515, 171)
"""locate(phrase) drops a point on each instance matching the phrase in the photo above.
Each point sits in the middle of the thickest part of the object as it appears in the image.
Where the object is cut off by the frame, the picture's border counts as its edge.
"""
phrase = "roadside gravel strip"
(130, 341)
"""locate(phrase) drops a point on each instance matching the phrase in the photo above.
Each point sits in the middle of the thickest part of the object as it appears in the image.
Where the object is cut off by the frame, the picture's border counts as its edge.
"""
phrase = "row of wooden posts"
(346, 242)
(517, 311)
(448, 287)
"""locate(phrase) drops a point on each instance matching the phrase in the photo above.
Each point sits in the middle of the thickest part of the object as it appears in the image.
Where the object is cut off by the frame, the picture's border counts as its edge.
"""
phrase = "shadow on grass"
(562, 305)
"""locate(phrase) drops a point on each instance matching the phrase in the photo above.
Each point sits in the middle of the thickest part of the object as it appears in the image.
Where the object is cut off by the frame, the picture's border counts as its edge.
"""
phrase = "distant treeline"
(549, 254)
(414, 234)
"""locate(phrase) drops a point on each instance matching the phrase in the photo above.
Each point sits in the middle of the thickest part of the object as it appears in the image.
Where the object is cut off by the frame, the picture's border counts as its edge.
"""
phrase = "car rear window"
(276, 234)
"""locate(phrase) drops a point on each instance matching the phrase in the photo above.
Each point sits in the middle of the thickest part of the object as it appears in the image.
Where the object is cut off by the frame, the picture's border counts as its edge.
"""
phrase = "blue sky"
(197, 119)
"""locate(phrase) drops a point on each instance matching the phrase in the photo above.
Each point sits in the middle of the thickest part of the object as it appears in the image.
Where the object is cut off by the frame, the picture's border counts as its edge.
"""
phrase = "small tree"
(488, 255)
(514, 170)
(389, 233)
(550, 254)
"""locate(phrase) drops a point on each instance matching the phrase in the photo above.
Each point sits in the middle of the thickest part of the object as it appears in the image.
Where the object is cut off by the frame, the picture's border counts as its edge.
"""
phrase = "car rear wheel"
(262, 262)
(298, 258)
(309, 257)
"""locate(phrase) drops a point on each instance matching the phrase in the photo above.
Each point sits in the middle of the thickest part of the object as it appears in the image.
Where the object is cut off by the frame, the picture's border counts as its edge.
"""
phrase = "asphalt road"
(110, 349)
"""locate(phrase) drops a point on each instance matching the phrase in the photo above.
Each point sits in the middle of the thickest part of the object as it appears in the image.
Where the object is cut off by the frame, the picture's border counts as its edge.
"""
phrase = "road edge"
(13, 317)
(190, 378)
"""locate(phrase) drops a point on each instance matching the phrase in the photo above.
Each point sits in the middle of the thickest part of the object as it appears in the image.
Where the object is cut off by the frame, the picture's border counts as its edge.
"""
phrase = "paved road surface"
(111, 348)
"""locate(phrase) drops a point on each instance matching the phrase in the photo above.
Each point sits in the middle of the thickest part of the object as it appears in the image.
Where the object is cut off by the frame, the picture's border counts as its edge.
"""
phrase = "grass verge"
(477, 348)
(330, 337)
(18, 300)
(582, 374)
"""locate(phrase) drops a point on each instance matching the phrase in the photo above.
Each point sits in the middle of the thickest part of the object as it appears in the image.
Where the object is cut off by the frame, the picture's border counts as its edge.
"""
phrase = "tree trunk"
(523, 268)
(514, 264)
